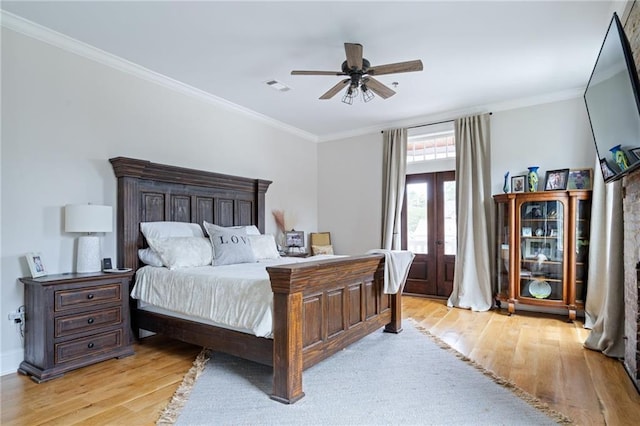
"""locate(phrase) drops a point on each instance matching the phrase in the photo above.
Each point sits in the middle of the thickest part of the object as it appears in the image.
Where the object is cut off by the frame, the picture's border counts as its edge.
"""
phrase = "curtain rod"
(430, 124)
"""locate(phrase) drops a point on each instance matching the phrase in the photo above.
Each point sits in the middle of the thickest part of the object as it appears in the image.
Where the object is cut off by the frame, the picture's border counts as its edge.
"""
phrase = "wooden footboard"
(320, 308)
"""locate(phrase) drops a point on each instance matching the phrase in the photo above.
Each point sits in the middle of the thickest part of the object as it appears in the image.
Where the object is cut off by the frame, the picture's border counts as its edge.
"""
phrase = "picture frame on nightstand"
(36, 264)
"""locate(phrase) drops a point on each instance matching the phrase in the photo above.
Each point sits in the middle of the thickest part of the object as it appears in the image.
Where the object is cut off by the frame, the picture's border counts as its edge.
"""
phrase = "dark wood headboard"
(149, 192)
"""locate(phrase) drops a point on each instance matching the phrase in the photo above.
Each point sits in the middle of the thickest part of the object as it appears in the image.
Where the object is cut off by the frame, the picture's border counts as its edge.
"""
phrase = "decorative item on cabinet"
(532, 178)
(505, 186)
(518, 183)
(620, 157)
(542, 249)
(556, 180)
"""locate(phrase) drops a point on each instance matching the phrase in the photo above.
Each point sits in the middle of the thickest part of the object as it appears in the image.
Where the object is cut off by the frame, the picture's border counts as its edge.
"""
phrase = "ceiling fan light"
(349, 95)
(367, 94)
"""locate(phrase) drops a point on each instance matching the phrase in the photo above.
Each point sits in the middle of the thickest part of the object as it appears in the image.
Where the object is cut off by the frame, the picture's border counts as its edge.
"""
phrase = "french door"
(429, 231)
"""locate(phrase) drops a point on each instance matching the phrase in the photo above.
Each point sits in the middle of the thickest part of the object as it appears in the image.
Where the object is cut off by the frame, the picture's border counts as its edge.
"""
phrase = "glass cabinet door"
(541, 250)
(583, 213)
(502, 255)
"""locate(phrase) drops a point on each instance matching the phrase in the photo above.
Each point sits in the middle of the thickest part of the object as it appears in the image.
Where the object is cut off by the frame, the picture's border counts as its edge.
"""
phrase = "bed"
(319, 306)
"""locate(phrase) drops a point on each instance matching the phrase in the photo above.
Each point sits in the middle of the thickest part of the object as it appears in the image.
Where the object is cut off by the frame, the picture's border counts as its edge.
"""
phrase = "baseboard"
(10, 361)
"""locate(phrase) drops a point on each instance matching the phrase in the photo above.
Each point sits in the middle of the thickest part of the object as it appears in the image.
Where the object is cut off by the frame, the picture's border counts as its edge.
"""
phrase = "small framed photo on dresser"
(36, 265)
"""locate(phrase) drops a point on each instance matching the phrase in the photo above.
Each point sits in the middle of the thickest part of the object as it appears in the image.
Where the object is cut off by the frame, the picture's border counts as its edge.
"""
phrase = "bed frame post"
(395, 325)
(287, 341)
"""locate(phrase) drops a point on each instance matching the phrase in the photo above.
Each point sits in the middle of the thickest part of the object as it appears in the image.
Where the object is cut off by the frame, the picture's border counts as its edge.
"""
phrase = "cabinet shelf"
(550, 247)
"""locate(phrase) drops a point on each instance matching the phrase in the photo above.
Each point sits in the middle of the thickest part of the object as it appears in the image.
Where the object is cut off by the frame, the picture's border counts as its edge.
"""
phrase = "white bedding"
(238, 297)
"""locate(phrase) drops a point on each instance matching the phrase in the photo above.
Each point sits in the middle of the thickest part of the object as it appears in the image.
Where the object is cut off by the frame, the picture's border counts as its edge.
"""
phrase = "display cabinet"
(542, 249)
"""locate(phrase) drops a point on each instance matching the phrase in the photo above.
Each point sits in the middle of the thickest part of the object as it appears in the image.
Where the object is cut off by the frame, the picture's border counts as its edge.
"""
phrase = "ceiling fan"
(361, 74)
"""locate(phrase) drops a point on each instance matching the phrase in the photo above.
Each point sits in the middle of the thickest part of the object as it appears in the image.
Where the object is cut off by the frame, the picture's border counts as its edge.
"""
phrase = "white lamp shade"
(88, 218)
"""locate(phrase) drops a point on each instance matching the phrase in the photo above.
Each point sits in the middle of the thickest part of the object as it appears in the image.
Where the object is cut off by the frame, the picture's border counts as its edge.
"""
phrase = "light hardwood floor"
(541, 354)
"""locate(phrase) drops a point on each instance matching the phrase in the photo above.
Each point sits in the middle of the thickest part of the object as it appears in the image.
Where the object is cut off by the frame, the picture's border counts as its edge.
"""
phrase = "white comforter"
(238, 297)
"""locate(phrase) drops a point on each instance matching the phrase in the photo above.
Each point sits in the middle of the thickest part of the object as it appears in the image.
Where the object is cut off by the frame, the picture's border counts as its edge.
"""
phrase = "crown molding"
(54, 38)
(453, 114)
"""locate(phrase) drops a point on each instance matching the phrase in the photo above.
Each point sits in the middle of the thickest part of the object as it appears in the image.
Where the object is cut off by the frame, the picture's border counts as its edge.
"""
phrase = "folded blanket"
(397, 263)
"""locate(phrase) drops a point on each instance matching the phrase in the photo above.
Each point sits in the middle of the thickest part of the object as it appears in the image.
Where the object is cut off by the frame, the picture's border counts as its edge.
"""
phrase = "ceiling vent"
(280, 87)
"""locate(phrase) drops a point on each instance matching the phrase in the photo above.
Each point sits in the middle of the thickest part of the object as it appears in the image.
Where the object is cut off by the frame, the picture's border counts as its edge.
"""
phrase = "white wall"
(64, 116)
(350, 192)
(553, 136)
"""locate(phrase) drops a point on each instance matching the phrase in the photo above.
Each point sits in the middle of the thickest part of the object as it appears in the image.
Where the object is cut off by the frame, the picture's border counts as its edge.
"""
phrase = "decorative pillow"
(264, 247)
(250, 229)
(182, 252)
(322, 249)
(231, 246)
(150, 257)
(170, 229)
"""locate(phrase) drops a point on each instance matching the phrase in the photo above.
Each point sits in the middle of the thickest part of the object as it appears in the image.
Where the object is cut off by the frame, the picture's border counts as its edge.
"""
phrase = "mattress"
(237, 297)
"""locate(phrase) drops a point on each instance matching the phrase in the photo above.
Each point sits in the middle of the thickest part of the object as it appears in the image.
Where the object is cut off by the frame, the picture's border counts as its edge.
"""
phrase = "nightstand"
(74, 320)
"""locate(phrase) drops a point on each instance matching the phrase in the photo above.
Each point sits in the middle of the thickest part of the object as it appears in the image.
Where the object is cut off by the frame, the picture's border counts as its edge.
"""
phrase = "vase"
(620, 157)
(505, 187)
(532, 178)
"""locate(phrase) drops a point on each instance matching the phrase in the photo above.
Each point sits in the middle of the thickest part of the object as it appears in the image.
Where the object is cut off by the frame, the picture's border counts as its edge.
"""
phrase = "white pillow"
(170, 229)
(230, 246)
(182, 252)
(264, 247)
(250, 229)
(149, 257)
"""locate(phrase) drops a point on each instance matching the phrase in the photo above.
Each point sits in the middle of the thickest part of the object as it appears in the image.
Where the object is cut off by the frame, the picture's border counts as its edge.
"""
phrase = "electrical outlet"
(16, 317)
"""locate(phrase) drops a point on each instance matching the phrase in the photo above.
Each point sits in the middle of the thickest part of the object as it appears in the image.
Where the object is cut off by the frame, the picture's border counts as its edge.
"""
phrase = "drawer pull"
(90, 345)
(90, 296)
(90, 320)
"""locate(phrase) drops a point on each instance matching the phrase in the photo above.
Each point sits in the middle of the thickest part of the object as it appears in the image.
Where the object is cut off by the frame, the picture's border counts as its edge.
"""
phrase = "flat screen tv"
(613, 105)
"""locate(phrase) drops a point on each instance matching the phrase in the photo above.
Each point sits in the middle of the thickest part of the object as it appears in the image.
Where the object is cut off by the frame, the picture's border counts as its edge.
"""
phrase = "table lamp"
(89, 219)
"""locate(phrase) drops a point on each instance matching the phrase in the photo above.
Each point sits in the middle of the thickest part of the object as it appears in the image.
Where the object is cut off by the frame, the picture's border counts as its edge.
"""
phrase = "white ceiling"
(476, 54)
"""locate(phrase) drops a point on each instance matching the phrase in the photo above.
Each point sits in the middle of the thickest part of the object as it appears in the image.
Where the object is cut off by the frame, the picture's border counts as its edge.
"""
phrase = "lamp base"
(88, 259)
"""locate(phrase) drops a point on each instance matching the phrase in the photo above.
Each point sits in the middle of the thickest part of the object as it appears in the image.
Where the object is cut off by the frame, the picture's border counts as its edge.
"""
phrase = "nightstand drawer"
(89, 321)
(88, 346)
(66, 299)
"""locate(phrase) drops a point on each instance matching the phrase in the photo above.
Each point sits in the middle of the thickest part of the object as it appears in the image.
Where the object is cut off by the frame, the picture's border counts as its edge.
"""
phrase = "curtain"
(604, 310)
(472, 287)
(393, 177)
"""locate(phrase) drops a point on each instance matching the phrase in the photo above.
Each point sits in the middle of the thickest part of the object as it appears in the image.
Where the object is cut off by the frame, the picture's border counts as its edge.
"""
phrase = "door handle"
(439, 242)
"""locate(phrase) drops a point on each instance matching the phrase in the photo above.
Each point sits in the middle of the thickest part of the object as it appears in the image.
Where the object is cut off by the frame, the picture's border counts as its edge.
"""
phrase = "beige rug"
(172, 412)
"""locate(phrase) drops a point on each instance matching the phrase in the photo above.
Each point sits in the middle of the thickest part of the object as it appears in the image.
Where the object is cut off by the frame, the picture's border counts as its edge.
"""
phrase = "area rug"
(383, 379)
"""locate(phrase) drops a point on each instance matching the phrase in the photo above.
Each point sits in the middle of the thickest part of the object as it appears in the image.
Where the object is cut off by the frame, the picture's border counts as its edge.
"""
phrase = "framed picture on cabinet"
(556, 180)
(36, 265)
(580, 179)
(294, 238)
(607, 172)
(534, 247)
(635, 152)
(518, 183)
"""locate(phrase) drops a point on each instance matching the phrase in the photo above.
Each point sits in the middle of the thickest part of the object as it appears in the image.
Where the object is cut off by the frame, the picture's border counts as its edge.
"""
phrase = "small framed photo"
(294, 238)
(636, 153)
(556, 180)
(36, 265)
(607, 171)
(526, 231)
(518, 183)
(580, 179)
(534, 247)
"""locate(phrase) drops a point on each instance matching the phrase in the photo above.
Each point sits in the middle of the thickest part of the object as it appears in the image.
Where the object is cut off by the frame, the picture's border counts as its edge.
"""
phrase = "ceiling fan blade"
(378, 88)
(295, 72)
(335, 89)
(408, 66)
(354, 55)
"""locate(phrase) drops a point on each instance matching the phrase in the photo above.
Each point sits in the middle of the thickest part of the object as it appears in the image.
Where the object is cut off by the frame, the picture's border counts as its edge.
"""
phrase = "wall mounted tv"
(613, 105)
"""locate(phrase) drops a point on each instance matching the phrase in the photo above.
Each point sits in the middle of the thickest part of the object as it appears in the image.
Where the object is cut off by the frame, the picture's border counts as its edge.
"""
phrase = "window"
(432, 142)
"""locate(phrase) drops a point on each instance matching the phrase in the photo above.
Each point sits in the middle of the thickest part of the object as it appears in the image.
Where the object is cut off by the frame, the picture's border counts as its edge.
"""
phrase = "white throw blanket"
(397, 263)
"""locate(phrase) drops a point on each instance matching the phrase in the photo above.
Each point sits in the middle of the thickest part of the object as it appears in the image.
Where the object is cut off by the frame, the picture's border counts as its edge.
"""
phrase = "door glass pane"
(417, 217)
(450, 226)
